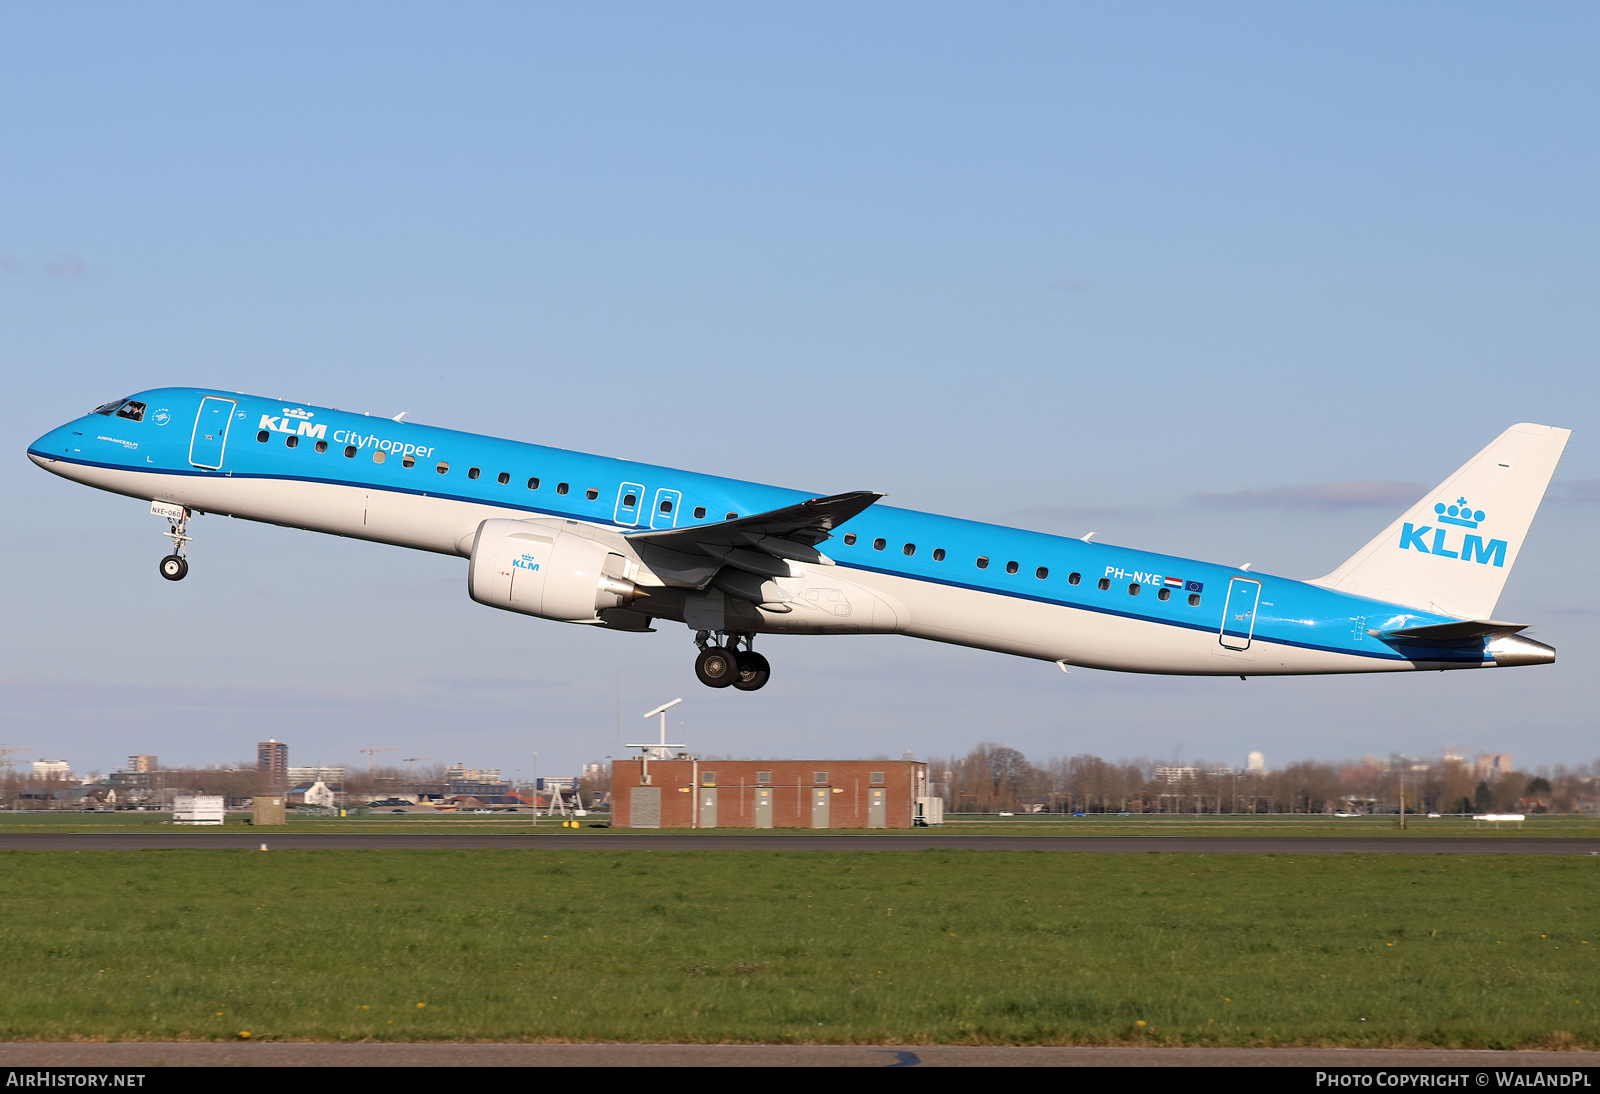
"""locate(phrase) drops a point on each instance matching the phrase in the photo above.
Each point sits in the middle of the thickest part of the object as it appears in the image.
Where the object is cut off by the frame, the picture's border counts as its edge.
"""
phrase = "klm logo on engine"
(296, 421)
(525, 562)
(1472, 548)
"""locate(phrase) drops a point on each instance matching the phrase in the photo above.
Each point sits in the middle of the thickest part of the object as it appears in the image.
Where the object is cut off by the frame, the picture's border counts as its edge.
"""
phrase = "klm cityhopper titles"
(608, 543)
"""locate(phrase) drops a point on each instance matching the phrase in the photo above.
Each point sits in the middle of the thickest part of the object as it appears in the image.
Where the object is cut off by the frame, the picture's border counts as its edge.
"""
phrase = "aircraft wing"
(788, 533)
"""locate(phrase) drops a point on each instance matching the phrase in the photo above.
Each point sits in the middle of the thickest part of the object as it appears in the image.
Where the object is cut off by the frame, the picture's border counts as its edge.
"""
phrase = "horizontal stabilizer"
(1463, 630)
(801, 526)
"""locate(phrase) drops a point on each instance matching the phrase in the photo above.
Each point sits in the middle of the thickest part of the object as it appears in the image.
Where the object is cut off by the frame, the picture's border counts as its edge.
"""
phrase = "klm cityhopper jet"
(608, 543)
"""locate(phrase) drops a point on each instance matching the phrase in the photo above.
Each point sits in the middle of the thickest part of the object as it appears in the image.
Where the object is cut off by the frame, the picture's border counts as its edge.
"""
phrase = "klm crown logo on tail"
(1461, 515)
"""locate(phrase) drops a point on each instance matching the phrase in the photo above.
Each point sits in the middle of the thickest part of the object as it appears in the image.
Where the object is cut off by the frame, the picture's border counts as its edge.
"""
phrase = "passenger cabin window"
(909, 549)
(731, 516)
(561, 488)
(1011, 567)
(378, 456)
(879, 544)
(350, 453)
(262, 436)
(1103, 584)
(983, 563)
(473, 472)
(1133, 588)
(849, 539)
(1194, 600)
(1041, 573)
(322, 446)
(291, 441)
(666, 505)
(699, 511)
(629, 501)
(132, 411)
(504, 478)
(408, 462)
(443, 469)
(591, 493)
(1073, 579)
(533, 484)
(938, 554)
(1164, 594)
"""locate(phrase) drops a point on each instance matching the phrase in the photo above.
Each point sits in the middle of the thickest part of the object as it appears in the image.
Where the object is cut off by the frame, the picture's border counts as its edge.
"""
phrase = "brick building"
(687, 793)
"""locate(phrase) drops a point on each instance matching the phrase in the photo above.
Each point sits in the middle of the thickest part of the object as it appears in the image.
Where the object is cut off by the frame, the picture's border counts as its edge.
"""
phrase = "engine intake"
(535, 570)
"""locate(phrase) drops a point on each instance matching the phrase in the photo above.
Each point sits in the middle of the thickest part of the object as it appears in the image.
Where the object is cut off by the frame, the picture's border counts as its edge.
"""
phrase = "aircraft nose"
(51, 446)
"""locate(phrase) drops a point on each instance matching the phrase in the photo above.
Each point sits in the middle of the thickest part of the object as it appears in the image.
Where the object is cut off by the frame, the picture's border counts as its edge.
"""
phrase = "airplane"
(611, 543)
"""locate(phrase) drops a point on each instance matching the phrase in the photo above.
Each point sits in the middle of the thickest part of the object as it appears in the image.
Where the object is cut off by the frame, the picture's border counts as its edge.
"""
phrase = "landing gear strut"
(174, 567)
(726, 665)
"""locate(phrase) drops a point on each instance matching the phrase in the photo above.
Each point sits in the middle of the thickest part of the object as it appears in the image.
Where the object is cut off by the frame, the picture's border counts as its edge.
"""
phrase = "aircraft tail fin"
(1451, 552)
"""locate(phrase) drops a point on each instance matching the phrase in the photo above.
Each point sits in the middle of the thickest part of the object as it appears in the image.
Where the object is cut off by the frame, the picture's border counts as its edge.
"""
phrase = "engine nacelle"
(537, 570)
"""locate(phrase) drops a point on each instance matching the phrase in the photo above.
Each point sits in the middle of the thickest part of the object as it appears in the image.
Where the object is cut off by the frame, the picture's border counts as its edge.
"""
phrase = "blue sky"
(1175, 273)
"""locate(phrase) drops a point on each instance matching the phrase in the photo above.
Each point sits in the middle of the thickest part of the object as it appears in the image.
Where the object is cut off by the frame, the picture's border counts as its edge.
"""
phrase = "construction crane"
(371, 752)
(6, 762)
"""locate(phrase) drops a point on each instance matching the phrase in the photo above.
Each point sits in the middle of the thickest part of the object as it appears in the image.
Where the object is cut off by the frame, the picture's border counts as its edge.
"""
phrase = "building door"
(878, 808)
(708, 807)
(763, 808)
(1239, 613)
(210, 432)
(819, 807)
(644, 807)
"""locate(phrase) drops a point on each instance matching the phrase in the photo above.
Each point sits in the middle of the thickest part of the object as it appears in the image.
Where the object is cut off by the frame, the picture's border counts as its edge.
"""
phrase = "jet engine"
(538, 570)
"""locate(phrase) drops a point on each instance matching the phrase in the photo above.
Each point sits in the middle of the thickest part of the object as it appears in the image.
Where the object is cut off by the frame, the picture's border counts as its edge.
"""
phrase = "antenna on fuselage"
(1090, 536)
(400, 415)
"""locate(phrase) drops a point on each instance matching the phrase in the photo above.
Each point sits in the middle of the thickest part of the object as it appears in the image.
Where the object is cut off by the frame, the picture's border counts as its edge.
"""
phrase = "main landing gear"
(726, 665)
(174, 567)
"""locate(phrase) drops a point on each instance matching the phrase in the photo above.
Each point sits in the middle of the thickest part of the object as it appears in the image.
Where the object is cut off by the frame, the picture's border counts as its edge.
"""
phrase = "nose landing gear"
(174, 567)
(726, 665)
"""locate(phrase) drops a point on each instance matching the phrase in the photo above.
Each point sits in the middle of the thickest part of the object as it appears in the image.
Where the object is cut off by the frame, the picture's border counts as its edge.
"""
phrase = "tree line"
(994, 778)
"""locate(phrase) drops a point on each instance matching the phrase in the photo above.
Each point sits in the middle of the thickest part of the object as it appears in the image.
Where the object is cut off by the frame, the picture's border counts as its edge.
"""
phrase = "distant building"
(319, 794)
(52, 769)
(1490, 765)
(140, 765)
(1255, 762)
(272, 761)
(477, 782)
(333, 776)
(1172, 776)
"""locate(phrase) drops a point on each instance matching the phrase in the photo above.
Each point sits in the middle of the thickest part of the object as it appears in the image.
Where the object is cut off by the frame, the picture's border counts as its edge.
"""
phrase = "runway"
(132, 1056)
(837, 842)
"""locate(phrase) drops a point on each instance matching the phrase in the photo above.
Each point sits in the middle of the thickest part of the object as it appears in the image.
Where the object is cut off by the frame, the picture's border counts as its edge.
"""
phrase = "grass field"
(1049, 824)
(915, 947)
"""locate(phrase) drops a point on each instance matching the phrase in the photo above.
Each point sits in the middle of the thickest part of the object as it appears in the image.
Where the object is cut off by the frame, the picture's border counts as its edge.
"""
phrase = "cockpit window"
(131, 410)
(109, 408)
